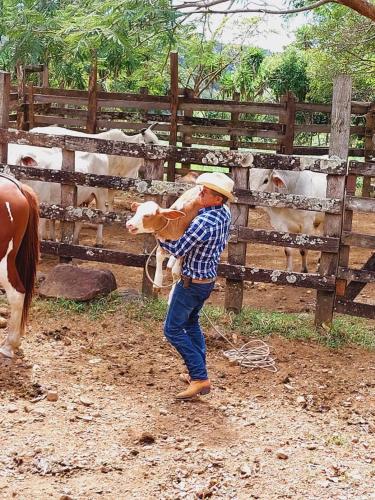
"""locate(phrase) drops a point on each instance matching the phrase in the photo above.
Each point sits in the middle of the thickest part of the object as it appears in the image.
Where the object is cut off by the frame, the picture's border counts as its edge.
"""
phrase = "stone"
(52, 396)
(3, 322)
(77, 283)
(282, 455)
(4, 311)
(129, 295)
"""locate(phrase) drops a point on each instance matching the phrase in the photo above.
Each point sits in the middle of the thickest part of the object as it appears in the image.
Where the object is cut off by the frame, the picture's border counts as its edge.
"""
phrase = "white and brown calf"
(166, 224)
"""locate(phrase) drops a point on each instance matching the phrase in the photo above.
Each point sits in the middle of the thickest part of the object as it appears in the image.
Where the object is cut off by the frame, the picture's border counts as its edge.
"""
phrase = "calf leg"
(158, 279)
(289, 259)
(303, 253)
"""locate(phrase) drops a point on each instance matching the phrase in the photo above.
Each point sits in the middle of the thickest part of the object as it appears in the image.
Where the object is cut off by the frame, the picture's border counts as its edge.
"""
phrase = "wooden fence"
(334, 280)
(185, 119)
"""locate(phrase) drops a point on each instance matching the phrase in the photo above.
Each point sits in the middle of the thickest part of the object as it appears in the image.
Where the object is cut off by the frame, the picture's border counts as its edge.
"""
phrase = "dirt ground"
(116, 432)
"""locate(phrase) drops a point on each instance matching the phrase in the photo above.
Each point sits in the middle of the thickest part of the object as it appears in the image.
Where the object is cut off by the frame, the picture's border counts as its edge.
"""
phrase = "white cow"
(48, 192)
(305, 183)
(94, 163)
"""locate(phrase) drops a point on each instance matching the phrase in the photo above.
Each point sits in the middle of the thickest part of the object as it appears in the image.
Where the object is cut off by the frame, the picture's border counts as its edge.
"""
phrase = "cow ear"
(278, 181)
(143, 130)
(134, 206)
(28, 161)
(171, 214)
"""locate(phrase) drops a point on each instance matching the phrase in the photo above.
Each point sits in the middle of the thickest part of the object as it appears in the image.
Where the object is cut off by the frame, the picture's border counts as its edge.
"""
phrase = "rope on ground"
(254, 354)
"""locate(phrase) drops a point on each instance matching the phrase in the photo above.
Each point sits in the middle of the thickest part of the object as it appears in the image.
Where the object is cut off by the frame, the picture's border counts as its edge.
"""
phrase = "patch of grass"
(93, 309)
(345, 330)
(336, 439)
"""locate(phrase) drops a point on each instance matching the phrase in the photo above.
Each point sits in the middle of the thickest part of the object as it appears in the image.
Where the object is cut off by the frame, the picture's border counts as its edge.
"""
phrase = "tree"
(365, 8)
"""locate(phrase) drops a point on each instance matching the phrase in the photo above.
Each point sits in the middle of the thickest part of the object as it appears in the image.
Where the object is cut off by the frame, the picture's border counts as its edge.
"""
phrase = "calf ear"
(28, 161)
(278, 181)
(134, 206)
(171, 214)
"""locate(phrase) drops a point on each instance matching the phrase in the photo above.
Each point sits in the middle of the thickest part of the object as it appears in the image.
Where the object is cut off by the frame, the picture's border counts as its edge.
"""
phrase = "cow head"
(150, 218)
(268, 181)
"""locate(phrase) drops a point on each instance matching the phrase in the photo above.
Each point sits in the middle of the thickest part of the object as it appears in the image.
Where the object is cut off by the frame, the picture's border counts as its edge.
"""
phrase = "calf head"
(148, 135)
(150, 218)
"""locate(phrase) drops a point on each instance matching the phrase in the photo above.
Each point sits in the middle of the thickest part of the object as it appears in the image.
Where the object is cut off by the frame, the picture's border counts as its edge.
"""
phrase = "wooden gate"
(350, 282)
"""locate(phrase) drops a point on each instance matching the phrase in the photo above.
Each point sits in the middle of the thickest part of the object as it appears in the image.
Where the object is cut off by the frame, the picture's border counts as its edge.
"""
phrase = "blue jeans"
(182, 328)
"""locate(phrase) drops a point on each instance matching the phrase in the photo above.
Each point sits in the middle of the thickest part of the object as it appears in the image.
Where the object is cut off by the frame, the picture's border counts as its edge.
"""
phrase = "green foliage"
(287, 72)
(339, 41)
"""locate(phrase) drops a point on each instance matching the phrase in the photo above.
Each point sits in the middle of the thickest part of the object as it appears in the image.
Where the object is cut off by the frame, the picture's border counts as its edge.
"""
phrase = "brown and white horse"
(19, 254)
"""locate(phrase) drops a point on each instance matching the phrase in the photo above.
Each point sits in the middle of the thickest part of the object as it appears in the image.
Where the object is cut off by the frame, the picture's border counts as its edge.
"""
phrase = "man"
(201, 246)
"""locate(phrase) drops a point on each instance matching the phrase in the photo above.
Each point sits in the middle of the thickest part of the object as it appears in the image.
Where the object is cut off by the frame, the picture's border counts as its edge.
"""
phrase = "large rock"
(77, 283)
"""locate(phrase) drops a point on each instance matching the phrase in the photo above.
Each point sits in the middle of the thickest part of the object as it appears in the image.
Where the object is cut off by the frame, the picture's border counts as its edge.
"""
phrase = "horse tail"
(28, 253)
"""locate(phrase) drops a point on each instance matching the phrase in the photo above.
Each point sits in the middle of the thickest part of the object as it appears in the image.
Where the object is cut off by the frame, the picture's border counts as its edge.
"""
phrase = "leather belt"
(187, 280)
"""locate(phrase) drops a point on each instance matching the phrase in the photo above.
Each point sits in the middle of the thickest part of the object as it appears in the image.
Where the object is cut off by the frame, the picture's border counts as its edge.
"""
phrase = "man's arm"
(195, 233)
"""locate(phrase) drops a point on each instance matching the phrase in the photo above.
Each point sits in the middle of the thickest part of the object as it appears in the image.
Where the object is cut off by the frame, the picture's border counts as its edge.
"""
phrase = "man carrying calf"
(201, 246)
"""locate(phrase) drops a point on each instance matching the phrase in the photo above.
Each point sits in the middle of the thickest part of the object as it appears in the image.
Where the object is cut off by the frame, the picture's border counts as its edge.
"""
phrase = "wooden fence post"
(171, 171)
(187, 137)
(68, 198)
(92, 98)
(21, 110)
(369, 147)
(154, 169)
(237, 251)
(333, 223)
(287, 119)
(4, 111)
(234, 122)
(143, 113)
(30, 107)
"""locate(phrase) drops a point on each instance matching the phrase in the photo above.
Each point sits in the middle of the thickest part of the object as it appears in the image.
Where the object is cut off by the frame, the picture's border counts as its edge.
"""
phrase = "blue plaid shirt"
(202, 242)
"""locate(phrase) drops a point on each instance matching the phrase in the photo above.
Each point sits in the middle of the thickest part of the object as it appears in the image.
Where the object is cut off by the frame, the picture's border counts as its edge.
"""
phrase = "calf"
(167, 224)
(305, 183)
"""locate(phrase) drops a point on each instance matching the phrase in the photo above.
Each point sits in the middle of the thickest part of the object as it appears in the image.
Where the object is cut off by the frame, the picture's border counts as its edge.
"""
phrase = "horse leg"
(13, 339)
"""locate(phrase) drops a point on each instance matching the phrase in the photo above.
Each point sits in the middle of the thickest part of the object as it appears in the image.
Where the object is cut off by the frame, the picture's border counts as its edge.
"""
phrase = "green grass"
(345, 330)
(93, 309)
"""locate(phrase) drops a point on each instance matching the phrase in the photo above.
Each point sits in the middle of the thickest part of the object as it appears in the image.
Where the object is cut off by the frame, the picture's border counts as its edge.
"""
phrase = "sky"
(275, 31)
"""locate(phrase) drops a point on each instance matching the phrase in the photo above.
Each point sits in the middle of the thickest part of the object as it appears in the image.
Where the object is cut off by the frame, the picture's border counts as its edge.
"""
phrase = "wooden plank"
(68, 198)
(44, 121)
(237, 251)
(355, 308)
(183, 155)
(92, 104)
(359, 108)
(322, 128)
(369, 147)
(30, 114)
(354, 288)
(366, 168)
(320, 151)
(173, 59)
(197, 104)
(228, 130)
(360, 204)
(4, 111)
(305, 280)
(362, 275)
(187, 118)
(83, 214)
(92, 254)
(339, 145)
(358, 240)
(287, 119)
(276, 238)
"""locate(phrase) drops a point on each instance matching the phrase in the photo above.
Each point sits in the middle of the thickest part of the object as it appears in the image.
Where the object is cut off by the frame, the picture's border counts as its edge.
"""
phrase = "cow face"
(268, 181)
(150, 218)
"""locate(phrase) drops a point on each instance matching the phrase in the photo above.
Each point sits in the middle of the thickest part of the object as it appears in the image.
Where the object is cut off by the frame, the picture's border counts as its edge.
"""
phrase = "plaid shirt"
(202, 242)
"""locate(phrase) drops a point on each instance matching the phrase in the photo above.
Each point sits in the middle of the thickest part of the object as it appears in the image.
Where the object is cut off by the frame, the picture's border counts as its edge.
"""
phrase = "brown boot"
(195, 387)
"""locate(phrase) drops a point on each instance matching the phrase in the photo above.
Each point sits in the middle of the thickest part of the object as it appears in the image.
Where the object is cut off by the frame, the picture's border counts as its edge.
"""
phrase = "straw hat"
(218, 182)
